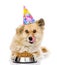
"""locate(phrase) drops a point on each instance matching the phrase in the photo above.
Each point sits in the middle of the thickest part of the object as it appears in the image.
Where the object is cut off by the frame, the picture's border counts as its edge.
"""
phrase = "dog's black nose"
(30, 38)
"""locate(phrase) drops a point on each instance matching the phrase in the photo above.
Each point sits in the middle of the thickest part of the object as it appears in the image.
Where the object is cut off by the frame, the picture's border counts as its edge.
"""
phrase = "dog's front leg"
(41, 53)
(15, 51)
(14, 56)
(37, 55)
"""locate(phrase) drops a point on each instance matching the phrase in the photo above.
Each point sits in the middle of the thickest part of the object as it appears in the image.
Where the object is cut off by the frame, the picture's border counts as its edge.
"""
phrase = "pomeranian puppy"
(28, 38)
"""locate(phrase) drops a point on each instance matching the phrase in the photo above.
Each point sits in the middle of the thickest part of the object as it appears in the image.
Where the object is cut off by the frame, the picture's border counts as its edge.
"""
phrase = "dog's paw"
(37, 56)
(14, 58)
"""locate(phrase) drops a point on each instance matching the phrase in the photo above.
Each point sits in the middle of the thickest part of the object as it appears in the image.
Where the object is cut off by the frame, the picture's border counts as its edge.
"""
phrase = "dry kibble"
(25, 54)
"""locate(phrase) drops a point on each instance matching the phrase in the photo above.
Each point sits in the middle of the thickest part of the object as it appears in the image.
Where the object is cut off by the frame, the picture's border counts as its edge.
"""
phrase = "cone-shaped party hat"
(27, 18)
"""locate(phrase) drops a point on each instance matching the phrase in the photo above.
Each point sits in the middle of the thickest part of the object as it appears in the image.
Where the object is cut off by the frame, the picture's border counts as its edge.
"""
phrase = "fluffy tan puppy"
(28, 39)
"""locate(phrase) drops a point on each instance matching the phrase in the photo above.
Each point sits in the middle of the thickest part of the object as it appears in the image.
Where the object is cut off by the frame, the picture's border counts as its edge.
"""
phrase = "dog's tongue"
(33, 40)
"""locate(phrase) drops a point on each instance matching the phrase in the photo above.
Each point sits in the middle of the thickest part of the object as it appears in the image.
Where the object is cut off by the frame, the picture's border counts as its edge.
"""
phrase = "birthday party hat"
(27, 18)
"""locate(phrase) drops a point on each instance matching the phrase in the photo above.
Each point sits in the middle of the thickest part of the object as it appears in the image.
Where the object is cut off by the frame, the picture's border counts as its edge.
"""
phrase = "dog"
(28, 38)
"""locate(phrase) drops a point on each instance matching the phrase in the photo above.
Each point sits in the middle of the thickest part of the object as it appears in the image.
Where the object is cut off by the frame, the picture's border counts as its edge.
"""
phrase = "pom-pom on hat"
(27, 18)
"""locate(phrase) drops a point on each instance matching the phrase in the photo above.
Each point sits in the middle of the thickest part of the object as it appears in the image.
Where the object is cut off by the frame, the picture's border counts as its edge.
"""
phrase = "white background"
(11, 15)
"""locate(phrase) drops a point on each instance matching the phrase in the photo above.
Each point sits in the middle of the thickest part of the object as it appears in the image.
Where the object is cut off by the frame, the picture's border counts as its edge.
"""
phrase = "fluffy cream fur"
(21, 42)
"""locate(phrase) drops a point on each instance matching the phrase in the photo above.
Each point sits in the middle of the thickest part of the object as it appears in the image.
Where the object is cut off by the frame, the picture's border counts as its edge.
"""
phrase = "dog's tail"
(44, 52)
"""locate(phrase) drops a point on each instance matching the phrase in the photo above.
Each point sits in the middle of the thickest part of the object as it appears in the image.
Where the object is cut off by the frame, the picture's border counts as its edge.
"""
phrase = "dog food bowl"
(24, 60)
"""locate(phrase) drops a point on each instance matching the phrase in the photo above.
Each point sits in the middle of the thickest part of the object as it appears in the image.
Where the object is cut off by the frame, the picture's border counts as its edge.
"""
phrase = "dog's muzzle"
(31, 40)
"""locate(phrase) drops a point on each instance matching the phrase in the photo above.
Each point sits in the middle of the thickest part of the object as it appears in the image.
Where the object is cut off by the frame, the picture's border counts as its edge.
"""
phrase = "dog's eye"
(26, 31)
(34, 31)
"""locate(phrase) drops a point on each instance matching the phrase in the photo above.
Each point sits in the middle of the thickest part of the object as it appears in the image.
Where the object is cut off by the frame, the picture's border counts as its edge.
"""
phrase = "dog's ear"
(19, 29)
(40, 22)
